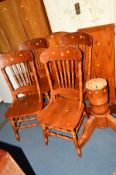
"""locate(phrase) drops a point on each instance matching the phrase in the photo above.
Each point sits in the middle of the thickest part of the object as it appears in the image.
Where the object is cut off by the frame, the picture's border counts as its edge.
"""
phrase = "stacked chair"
(65, 111)
(20, 74)
(54, 38)
(36, 46)
(56, 68)
(84, 42)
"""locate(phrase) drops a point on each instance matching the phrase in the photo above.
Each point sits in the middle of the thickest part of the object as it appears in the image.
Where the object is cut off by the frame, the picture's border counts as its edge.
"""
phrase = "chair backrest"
(54, 38)
(33, 45)
(20, 73)
(64, 71)
(83, 41)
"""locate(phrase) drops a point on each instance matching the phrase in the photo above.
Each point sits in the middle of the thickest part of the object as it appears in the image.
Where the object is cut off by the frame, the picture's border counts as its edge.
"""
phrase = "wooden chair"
(65, 110)
(83, 41)
(54, 38)
(20, 74)
(37, 45)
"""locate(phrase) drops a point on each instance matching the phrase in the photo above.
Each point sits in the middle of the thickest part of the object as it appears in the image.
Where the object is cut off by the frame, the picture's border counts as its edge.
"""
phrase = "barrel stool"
(100, 117)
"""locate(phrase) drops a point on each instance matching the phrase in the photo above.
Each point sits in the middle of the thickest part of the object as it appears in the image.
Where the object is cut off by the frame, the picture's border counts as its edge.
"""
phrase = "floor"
(59, 157)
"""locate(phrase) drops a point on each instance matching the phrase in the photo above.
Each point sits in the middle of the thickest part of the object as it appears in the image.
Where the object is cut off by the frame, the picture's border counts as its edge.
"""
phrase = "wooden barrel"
(97, 93)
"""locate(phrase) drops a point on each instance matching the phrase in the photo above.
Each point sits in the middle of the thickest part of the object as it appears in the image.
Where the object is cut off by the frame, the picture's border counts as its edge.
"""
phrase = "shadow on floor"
(19, 157)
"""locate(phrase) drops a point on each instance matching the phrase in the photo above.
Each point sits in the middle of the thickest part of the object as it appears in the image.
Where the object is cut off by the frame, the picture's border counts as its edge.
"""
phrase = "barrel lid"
(96, 84)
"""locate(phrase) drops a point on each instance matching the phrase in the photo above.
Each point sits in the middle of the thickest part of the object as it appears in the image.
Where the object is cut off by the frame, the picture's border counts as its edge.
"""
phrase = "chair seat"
(62, 113)
(23, 106)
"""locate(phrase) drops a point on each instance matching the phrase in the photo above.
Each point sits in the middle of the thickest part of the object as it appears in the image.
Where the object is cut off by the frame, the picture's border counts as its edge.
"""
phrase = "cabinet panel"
(103, 55)
(20, 21)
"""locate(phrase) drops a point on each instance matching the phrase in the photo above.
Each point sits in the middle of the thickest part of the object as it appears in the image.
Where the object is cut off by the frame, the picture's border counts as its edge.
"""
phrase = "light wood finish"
(36, 46)
(103, 57)
(54, 38)
(83, 41)
(65, 110)
(8, 166)
(20, 21)
(20, 74)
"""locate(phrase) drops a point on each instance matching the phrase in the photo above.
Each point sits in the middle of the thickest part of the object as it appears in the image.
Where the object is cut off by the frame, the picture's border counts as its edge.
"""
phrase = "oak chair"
(54, 38)
(83, 41)
(20, 74)
(65, 110)
(37, 45)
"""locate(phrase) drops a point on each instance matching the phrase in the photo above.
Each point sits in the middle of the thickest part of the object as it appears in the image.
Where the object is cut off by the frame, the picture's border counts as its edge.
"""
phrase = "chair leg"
(13, 124)
(85, 114)
(78, 149)
(44, 128)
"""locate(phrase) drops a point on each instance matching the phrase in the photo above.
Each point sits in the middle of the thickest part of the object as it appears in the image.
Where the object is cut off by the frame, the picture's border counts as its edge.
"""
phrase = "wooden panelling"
(103, 57)
(4, 43)
(20, 21)
(33, 18)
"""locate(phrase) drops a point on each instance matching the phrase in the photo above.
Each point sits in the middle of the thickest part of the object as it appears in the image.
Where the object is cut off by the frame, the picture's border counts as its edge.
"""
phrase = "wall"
(62, 15)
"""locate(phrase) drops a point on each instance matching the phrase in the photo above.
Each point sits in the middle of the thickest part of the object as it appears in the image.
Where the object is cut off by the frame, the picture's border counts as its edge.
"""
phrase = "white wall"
(4, 90)
(62, 15)
(5, 93)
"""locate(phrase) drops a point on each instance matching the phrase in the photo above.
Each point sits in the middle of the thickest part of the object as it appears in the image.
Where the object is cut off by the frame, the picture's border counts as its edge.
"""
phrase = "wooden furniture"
(21, 21)
(65, 110)
(8, 166)
(20, 74)
(54, 38)
(103, 57)
(83, 41)
(37, 45)
(100, 117)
